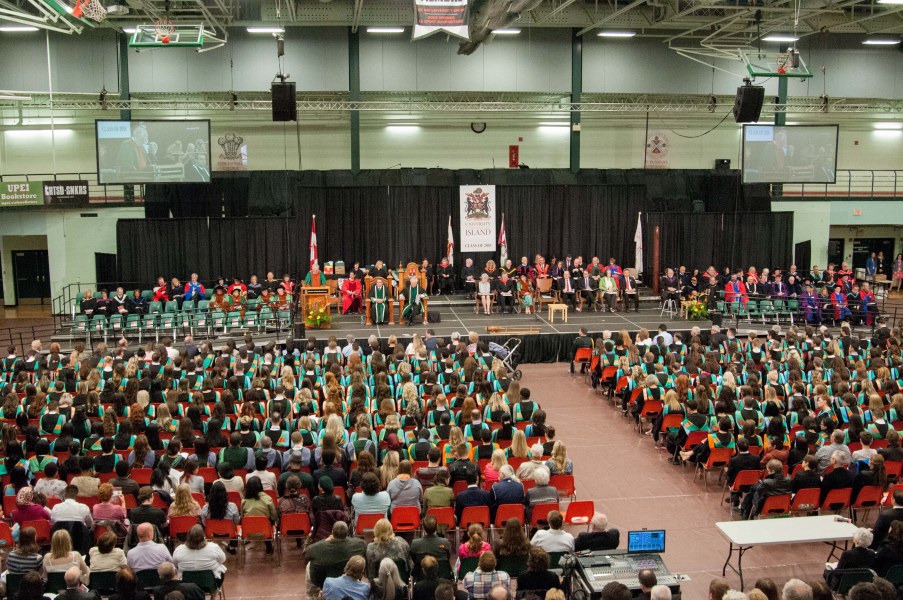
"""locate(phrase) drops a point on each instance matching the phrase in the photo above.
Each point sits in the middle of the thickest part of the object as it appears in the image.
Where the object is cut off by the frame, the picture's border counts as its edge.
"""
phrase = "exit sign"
(857, 212)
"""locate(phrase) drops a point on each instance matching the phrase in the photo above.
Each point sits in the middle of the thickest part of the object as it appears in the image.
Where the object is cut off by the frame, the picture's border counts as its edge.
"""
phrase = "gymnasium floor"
(623, 474)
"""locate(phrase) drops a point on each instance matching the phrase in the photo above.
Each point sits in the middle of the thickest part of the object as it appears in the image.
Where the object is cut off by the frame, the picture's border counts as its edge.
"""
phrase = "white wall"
(71, 241)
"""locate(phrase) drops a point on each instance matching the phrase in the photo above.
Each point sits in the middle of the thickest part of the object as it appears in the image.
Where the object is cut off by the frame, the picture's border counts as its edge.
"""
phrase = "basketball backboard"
(775, 64)
(175, 35)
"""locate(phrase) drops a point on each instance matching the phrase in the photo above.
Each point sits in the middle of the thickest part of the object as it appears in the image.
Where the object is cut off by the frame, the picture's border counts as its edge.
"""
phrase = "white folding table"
(743, 535)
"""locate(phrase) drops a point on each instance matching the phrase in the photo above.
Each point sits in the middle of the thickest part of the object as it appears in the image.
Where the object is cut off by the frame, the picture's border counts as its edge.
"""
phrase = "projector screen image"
(789, 153)
(153, 151)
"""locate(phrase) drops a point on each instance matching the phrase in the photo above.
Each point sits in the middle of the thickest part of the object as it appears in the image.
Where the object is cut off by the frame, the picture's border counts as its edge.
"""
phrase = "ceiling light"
(884, 42)
(385, 30)
(890, 1)
(617, 34)
(554, 123)
(17, 28)
(266, 30)
(14, 97)
(779, 37)
(889, 126)
(506, 31)
(130, 30)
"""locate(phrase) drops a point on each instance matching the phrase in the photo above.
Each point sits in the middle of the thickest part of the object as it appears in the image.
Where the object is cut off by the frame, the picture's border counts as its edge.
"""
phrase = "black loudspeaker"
(299, 333)
(722, 164)
(748, 104)
(283, 99)
(717, 318)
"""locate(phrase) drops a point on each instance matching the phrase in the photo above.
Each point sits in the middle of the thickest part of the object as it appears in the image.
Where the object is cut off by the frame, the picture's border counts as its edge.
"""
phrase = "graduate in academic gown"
(283, 300)
(351, 294)
(413, 297)
(136, 303)
(220, 302)
(379, 270)
(469, 276)
(869, 303)
(809, 305)
(379, 302)
(266, 299)
(237, 302)
(839, 302)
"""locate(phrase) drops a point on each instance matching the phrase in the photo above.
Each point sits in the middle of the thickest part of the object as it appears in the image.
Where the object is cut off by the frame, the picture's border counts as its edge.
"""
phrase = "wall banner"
(478, 208)
(433, 16)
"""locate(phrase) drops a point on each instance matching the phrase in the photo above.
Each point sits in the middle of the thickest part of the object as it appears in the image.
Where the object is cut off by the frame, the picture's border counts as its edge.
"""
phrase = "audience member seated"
(860, 556)
(600, 538)
(127, 586)
(473, 495)
(386, 544)
(439, 495)
(541, 493)
(775, 483)
(528, 469)
(62, 557)
(349, 586)
(148, 554)
(404, 490)
(430, 543)
(75, 590)
(123, 481)
(26, 555)
(808, 477)
(169, 584)
(145, 512)
(554, 539)
(197, 554)
(513, 541)
(890, 552)
(370, 500)
(105, 556)
(323, 557)
(475, 544)
(538, 578)
(480, 582)
(71, 510)
(886, 518)
(258, 503)
(51, 485)
(109, 511)
(840, 478)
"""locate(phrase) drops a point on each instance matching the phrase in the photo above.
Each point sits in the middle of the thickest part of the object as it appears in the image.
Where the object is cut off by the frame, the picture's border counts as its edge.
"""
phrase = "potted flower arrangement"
(697, 311)
(318, 318)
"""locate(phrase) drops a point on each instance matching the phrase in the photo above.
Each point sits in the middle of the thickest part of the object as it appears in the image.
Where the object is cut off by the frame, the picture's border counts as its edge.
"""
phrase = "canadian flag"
(313, 241)
(450, 244)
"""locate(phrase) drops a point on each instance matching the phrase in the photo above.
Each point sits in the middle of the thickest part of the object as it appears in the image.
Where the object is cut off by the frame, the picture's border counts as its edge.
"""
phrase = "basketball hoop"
(784, 60)
(91, 9)
(164, 28)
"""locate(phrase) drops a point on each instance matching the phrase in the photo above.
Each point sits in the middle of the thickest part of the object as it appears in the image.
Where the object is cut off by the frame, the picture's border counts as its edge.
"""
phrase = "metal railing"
(860, 184)
(22, 337)
(97, 193)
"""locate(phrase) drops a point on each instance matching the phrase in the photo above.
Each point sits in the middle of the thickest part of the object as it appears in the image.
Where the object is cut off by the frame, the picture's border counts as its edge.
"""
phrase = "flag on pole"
(503, 242)
(638, 240)
(313, 240)
(450, 244)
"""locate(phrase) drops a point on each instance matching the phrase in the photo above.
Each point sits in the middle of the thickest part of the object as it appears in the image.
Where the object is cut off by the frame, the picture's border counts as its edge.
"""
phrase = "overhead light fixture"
(778, 37)
(130, 30)
(265, 30)
(385, 30)
(554, 123)
(506, 31)
(881, 42)
(890, 1)
(889, 126)
(17, 28)
(15, 97)
(617, 34)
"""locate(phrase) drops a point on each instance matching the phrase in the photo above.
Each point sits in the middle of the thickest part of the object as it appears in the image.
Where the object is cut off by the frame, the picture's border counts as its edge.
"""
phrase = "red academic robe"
(735, 291)
(351, 296)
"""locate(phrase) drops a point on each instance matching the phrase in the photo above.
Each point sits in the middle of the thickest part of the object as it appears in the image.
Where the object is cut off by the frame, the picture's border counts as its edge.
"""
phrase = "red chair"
(879, 444)
(459, 486)
(582, 356)
(6, 536)
(445, 517)
(257, 528)
(775, 506)
(158, 502)
(366, 522)
(340, 492)
(208, 473)
(651, 410)
(52, 501)
(894, 470)
(869, 497)
(565, 485)
(235, 498)
(405, 518)
(272, 495)
(580, 512)
(142, 476)
(88, 501)
(718, 459)
(475, 514)
(199, 498)
(806, 500)
(220, 530)
(105, 477)
(528, 484)
(42, 531)
(539, 517)
(294, 526)
(889, 499)
(742, 481)
(9, 505)
(693, 439)
(516, 462)
(180, 526)
(130, 501)
(837, 500)
(756, 450)
(505, 512)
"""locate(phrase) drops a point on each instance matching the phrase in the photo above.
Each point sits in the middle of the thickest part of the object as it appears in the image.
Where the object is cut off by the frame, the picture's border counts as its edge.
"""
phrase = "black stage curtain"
(739, 240)
(392, 223)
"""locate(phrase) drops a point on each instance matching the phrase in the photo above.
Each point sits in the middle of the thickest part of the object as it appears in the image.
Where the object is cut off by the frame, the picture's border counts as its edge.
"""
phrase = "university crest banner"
(478, 208)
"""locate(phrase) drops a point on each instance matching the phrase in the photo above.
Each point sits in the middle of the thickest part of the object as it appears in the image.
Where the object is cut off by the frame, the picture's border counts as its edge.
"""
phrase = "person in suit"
(506, 491)
(600, 538)
(588, 288)
(808, 477)
(840, 478)
(567, 287)
(629, 291)
(886, 518)
(670, 285)
(473, 495)
(890, 552)
(742, 461)
(860, 556)
(506, 288)
(169, 583)
(581, 341)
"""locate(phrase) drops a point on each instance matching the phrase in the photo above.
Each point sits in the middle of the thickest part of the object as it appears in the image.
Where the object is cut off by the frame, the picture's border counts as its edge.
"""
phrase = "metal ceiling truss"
(457, 103)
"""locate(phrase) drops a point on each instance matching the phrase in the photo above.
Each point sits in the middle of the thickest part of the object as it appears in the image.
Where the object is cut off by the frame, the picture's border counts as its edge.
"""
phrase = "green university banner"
(21, 193)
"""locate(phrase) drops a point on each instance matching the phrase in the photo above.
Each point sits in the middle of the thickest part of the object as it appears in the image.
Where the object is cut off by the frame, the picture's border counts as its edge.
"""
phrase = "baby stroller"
(507, 353)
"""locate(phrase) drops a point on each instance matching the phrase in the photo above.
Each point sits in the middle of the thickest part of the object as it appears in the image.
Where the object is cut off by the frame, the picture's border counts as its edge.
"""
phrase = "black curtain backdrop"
(739, 240)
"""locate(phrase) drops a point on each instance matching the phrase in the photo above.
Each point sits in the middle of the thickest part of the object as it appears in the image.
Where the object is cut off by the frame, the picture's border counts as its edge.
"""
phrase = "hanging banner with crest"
(478, 218)
(433, 16)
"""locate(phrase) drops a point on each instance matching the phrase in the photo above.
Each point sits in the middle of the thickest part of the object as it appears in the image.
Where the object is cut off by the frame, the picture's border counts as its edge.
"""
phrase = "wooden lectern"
(314, 298)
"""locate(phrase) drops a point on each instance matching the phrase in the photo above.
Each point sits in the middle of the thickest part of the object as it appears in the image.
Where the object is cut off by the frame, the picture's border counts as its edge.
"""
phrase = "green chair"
(116, 324)
(513, 565)
(403, 572)
(847, 578)
(267, 319)
(168, 321)
(98, 324)
(133, 325)
(285, 318)
(148, 578)
(188, 306)
(252, 320)
(102, 582)
(205, 580)
(203, 305)
(754, 310)
(56, 582)
(208, 293)
(150, 323)
(79, 325)
(252, 303)
(13, 581)
(467, 565)
(554, 559)
(742, 312)
(766, 307)
(233, 320)
(155, 307)
(720, 306)
(147, 294)
(218, 320)
(793, 308)
(200, 321)
(895, 576)
(171, 306)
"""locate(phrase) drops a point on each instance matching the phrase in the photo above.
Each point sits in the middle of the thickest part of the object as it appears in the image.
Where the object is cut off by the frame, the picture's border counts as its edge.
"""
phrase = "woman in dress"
(484, 293)
(897, 282)
(525, 294)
